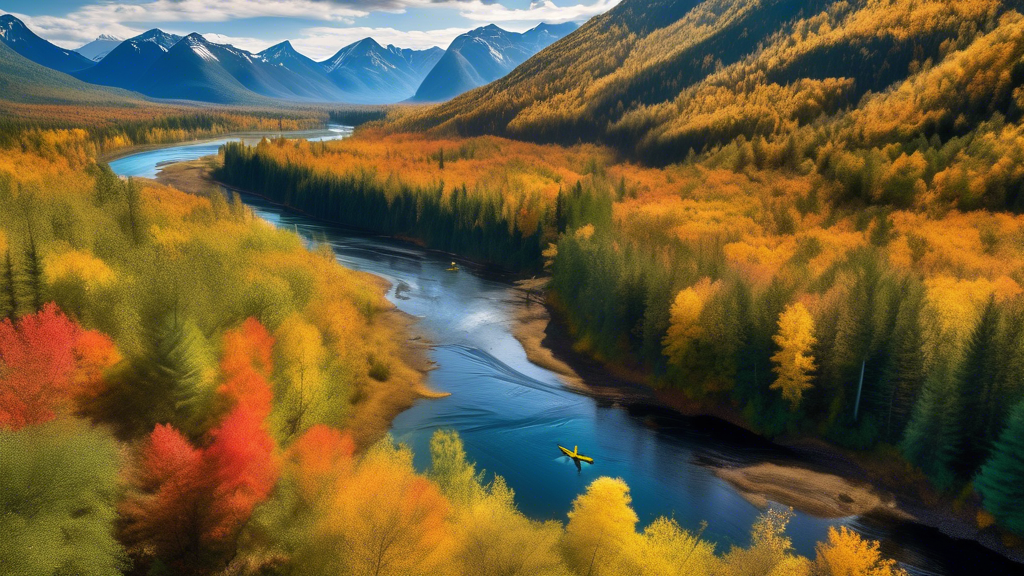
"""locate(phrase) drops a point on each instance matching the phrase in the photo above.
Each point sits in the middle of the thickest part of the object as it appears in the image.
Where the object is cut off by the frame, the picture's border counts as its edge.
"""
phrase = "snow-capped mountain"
(100, 47)
(311, 78)
(483, 55)
(368, 73)
(163, 65)
(197, 69)
(19, 38)
(126, 64)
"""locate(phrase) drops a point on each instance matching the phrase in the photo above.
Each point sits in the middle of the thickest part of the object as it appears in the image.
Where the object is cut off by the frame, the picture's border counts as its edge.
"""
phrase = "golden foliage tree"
(793, 362)
(386, 519)
(847, 554)
(601, 527)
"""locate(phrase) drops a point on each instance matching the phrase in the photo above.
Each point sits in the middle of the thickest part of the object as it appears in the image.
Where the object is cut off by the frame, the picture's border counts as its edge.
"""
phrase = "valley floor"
(827, 481)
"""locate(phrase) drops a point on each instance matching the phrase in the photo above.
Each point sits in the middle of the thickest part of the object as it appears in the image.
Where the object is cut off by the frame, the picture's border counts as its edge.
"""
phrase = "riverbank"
(381, 401)
(825, 480)
(138, 148)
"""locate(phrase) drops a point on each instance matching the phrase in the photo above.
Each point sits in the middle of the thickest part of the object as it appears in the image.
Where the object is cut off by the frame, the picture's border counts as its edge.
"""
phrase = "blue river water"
(511, 413)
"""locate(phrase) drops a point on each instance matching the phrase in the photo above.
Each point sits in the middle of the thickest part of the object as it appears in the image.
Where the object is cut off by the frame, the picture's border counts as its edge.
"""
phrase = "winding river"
(511, 413)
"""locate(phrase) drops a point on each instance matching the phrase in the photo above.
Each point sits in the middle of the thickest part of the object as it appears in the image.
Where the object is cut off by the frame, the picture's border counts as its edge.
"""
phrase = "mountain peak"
(109, 38)
(8, 22)
(367, 43)
(279, 48)
(281, 51)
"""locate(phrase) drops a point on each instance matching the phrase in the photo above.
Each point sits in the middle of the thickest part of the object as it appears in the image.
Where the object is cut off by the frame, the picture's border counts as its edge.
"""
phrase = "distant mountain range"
(365, 70)
(24, 81)
(482, 56)
(162, 65)
(19, 38)
(100, 47)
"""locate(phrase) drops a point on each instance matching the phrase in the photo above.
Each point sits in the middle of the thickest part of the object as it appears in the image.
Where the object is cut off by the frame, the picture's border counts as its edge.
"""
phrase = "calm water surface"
(511, 413)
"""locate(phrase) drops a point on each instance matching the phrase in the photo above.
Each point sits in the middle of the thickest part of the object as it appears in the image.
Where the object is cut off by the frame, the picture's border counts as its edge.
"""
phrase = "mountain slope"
(368, 73)
(194, 69)
(659, 77)
(129, 61)
(483, 55)
(100, 47)
(19, 38)
(24, 81)
(310, 79)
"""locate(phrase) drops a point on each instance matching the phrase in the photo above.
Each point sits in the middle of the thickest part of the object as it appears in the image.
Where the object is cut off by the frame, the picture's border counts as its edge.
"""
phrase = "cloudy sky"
(317, 28)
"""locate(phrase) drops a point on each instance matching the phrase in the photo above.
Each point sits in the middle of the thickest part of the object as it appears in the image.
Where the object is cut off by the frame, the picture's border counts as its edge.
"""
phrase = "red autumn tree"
(242, 466)
(246, 365)
(46, 360)
(189, 503)
(165, 515)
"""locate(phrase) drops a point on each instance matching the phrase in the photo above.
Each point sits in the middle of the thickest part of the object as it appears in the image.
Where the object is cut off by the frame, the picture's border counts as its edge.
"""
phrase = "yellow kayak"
(453, 268)
(575, 454)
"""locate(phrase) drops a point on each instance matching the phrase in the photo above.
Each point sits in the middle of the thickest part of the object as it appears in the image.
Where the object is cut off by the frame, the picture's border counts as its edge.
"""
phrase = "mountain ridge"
(17, 36)
(484, 55)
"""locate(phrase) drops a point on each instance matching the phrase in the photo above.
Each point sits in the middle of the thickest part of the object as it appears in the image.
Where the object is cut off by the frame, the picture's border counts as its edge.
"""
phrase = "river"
(511, 413)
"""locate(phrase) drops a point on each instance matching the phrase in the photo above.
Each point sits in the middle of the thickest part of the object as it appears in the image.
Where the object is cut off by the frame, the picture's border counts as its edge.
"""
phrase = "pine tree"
(34, 274)
(904, 371)
(1001, 480)
(8, 290)
(163, 383)
(931, 437)
(134, 210)
(976, 394)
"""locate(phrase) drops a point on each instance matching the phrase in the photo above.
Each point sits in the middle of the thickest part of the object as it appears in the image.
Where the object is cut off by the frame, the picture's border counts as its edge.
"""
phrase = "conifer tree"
(34, 274)
(1001, 480)
(8, 290)
(976, 394)
(904, 372)
(932, 435)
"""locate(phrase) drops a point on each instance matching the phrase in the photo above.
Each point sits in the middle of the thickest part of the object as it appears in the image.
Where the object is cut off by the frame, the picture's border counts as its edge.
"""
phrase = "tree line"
(448, 218)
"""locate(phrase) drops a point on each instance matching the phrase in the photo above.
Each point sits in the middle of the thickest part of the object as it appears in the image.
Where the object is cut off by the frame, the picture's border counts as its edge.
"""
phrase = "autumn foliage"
(246, 366)
(191, 502)
(46, 362)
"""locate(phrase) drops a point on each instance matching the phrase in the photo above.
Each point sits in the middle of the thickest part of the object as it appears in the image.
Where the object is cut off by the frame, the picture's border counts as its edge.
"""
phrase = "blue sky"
(317, 28)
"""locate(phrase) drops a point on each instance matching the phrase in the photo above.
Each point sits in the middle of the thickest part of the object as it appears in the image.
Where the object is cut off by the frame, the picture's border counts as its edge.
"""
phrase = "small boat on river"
(576, 456)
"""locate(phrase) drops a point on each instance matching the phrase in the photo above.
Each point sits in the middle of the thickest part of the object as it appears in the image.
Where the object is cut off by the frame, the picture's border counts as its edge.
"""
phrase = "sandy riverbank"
(816, 493)
(529, 326)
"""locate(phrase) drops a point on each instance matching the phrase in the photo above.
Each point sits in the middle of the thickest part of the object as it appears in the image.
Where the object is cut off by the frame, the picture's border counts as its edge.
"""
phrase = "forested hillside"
(804, 213)
(655, 79)
(187, 390)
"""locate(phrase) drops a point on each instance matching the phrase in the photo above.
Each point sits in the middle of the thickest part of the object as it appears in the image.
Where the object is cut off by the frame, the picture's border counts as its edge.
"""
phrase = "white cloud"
(320, 43)
(253, 45)
(225, 10)
(539, 11)
(69, 33)
(126, 19)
